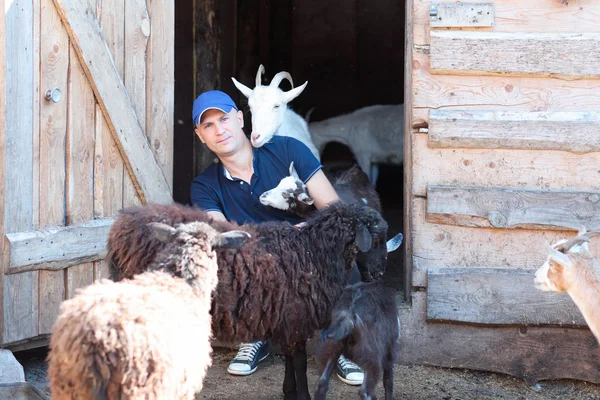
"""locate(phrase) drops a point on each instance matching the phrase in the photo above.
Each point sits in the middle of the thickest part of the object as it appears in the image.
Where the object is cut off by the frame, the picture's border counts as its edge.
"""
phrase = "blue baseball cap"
(213, 99)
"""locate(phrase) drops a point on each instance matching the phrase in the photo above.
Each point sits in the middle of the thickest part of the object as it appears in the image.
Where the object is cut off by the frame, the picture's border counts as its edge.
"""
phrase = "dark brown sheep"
(281, 284)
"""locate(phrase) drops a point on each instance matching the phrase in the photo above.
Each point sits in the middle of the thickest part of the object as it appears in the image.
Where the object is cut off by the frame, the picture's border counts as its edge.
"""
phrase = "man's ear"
(240, 116)
(197, 132)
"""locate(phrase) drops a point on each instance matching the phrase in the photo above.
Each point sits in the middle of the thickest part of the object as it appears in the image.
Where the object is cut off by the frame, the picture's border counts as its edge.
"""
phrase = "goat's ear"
(363, 238)
(306, 199)
(292, 170)
(560, 258)
(231, 240)
(163, 232)
(293, 93)
(246, 91)
(394, 243)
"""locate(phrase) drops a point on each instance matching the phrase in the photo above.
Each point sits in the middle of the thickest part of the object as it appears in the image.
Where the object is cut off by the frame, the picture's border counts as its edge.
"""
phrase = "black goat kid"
(364, 328)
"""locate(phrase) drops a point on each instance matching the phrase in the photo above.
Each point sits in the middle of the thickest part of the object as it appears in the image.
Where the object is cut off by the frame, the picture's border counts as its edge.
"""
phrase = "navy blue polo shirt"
(216, 190)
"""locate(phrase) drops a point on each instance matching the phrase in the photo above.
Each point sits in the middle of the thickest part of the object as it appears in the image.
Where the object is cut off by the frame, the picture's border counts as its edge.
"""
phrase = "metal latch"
(461, 15)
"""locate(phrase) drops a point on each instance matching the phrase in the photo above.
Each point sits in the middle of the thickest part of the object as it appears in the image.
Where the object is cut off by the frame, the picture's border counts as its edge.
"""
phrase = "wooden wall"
(504, 156)
(69, 166)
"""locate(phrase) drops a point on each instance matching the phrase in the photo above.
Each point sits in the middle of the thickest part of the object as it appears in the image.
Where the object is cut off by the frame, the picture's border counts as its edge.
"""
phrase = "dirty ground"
(411, 382)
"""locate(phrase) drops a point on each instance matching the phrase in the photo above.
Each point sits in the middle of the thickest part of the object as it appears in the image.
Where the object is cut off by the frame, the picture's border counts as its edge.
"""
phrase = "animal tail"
(341, 326)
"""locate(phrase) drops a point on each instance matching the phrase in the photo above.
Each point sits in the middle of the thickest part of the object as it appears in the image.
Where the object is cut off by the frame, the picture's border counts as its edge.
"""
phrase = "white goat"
(570, 268)
(374, 134)
(270, 113)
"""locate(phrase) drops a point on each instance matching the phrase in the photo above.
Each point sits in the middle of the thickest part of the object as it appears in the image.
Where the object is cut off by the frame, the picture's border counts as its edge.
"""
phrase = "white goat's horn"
(261, 70)
(281, 76)
(566, 246)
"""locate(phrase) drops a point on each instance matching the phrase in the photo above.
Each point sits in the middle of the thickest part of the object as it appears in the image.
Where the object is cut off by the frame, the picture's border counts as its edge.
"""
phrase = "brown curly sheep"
(281, 284)
(144, 338)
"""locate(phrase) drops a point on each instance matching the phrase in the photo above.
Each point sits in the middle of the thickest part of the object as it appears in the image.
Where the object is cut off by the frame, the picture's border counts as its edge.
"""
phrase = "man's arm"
(321, 190)
(216, 215)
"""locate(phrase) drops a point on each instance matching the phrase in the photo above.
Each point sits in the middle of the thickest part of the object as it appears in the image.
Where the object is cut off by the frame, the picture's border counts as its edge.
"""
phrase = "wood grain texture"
(53, 122)
(564, 55)
(408, 145)
(518, 169)
(496, 297)
(577, 132)
(137, 30)
(80, 164)
(462, 15)
(3, 251)
(57, 247)
(160, 85)
(80, 22)
(532, 353)
(503, 208)
(450, 246)
(500, 93)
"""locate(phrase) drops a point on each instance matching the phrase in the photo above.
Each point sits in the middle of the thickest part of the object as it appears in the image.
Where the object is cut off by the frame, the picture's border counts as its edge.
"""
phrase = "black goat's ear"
(163, 232)
(363, 238)
(231, 240)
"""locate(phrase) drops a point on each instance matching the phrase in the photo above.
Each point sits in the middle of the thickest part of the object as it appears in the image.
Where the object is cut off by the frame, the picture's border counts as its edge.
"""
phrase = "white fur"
(274, 197)
(374, 134)
(272, 116)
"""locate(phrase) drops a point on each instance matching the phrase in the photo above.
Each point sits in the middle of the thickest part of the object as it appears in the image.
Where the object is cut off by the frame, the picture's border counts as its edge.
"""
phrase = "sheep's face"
(372, 247)
(290, 193)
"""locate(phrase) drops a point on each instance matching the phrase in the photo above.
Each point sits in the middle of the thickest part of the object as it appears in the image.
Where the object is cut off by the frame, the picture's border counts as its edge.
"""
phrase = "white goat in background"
(571, 268)
(374, 134)
(270, 113)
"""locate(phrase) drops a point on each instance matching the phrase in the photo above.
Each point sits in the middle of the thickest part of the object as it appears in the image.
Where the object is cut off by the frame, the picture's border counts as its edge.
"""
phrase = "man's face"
(222, 132)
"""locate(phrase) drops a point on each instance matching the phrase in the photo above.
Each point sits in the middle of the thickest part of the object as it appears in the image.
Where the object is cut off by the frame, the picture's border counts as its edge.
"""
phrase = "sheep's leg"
(388, 381)
(364, 162)
(300, 368)
(289, 381)
(367, 389)
(323, 383)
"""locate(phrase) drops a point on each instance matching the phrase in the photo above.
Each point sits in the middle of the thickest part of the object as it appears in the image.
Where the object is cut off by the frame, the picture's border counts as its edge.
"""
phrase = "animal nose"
(255, 136)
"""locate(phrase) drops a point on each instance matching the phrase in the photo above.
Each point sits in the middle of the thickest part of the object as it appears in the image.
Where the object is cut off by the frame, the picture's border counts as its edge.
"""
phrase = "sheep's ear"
(231, 239)
(306, 199)
(163, 232)
(363, 238)
(246, 91)
(293, 93)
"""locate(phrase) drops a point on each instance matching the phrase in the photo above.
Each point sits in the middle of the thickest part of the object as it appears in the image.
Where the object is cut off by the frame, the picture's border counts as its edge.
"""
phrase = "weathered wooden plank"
(137, 30)
(80, 22)
(80, 164)
(520, 169)
(532, 353)
(520, 16)
(57, 247)
(500, 93)
(497, 297)
(52, 185)
(20, 292)
(465, 15)
(408, 145)
(450, 246)
(490, 207)
(576, 132)
(3, 252)
(108, 164)
(160, 90)
(564, 55)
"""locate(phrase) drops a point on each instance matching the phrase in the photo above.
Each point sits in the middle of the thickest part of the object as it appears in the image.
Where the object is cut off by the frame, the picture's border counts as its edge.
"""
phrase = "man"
(230, 190)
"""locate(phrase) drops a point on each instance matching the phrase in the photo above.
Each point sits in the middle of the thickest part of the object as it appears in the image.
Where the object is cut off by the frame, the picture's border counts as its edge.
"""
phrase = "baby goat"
(570, 268)
(365, 329)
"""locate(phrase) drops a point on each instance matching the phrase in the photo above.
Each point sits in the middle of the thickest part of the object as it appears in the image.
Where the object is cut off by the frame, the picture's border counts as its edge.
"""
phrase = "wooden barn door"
(504, 152)
(89, 131)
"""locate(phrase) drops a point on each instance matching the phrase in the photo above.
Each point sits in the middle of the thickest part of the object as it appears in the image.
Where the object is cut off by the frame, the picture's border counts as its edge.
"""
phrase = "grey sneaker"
(348, 372)
(247, 359)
